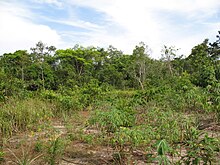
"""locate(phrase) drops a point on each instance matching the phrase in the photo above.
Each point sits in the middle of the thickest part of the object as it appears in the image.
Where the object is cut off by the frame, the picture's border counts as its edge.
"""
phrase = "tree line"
(45, 67)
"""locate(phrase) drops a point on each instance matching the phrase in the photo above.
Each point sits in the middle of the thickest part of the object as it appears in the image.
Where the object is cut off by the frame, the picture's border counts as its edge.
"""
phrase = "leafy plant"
(2, 153)
(55, 148)
(162, 150)
(38, 147)
(201, 150)
(131, 137)
(112, 120)
(65, 102)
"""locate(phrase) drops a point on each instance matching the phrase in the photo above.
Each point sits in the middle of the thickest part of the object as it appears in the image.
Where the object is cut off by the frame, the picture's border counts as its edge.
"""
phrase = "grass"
(121, 127)
(21, 115)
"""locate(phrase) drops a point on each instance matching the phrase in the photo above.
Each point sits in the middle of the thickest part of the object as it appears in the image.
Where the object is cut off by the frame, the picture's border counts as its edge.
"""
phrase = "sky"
(121, 23)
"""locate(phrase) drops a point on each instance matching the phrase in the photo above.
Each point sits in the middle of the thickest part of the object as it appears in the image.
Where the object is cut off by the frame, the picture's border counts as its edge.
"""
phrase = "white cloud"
(17, 32)
(77, 23)
(126, 22)
(184, 6)
(139, 21)
(51, 2)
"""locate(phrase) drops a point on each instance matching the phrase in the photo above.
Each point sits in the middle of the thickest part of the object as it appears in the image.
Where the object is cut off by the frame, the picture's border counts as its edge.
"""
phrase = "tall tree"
(78, 64)
(140, 59)
(16, 63)
(200, 65)
(40, 56)
(168, 55)
(214, 49)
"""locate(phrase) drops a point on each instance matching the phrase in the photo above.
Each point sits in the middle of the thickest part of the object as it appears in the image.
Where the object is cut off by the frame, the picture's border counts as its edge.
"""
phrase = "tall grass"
(20, 115)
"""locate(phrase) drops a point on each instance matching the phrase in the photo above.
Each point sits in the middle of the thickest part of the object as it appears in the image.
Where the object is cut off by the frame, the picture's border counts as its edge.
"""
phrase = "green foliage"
(162, 150)
(201, 150)
(1, 155)
(145, 96)
(65, 103)
(201, 65)
(36, 86)
(140, 60)
(125, 136)
(196, 100)
(182, 83)
(214, 98)
(112, 120)
(165, 124)
(90, 92)
(20, 115)
(39, 146)
(190, 133)
(56, 148)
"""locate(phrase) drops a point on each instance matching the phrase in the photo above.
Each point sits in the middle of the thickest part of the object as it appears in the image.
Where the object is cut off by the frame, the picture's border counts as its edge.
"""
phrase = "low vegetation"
(97, 106)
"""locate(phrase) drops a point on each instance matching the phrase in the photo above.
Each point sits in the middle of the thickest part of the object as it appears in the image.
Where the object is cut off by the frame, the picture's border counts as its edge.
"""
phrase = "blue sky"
(121, 23)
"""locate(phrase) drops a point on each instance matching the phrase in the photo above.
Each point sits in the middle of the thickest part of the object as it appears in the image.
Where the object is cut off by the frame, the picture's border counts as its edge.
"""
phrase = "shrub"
(201, 150)
(65, 103)
(112, 120)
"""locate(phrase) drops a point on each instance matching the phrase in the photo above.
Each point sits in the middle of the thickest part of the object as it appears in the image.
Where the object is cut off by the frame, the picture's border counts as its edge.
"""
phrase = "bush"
(128, 136)
(201, 150)
(64, 103)
(112, 120)
(90, 92)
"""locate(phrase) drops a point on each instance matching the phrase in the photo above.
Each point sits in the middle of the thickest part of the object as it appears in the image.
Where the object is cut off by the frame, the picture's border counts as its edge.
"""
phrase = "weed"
(55, 149)
(39, 146)
(162, 150)
(88, 138)
(21, 115)
(25, 159)
(2, 153)
(118, 157)
(201, 150)
(1, 148)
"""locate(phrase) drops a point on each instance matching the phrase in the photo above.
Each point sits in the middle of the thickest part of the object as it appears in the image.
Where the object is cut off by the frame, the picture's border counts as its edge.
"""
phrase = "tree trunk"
(142, 86)
(1, 142)
(170, 68)
(42, 77)
(22, 73)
